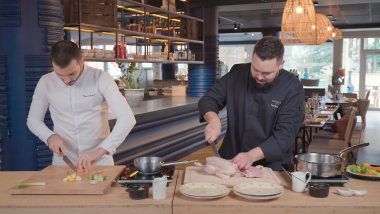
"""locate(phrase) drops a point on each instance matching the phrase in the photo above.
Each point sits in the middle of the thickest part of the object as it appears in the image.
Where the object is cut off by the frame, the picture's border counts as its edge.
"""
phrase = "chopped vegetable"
(95, 177)
(94, 182)
(366, 164)
(101, 171)
(106, 177)
(91, 177)
(21, 185)
(358, 164)
(78, 178)
(141, 188)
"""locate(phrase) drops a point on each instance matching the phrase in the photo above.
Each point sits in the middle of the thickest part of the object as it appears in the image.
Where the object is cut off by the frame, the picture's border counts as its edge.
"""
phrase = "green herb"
(21, 185)
(106, 177)
(91, 177)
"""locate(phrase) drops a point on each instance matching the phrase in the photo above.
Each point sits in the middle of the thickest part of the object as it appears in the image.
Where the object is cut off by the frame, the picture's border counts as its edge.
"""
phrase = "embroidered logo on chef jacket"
(275, 104)
(88, 95)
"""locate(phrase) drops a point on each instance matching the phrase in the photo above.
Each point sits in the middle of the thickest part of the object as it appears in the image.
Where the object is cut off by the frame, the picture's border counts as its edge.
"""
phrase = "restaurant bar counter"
(116, 200)
(167, 127)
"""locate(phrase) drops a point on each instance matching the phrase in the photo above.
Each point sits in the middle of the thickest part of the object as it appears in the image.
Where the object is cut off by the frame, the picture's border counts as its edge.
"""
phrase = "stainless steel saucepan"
(324, 165)
(152, 165)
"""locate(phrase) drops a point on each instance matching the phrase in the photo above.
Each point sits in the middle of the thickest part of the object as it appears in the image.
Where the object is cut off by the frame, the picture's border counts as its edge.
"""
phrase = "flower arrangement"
(131, 75)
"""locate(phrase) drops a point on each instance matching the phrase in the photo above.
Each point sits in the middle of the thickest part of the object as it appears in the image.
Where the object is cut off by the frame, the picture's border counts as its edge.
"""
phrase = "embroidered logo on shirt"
(88, 95)
(275, 104)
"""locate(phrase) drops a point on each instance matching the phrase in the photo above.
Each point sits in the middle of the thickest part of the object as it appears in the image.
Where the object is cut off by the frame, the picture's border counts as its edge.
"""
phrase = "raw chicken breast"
(207, 168)
(222, 165)
(254, 172)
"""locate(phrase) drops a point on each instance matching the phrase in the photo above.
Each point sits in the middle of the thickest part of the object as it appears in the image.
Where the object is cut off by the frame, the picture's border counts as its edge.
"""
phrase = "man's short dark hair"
(63, 52)
(269, 47)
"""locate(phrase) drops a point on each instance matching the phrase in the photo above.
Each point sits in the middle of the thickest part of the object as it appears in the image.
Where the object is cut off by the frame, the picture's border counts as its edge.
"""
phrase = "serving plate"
(374, 177)
(258, 189)
(259, 197)
(204, 189)
(315, 120)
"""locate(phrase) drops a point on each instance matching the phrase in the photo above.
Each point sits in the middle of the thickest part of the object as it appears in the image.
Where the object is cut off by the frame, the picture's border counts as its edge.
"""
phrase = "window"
(231, 54)
(372, 43)
(317, 58)
(351, 63)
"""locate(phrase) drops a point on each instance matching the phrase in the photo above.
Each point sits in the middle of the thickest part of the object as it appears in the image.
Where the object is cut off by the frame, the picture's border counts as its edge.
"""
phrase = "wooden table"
(290, 202)
(335, 102)
(115, 200)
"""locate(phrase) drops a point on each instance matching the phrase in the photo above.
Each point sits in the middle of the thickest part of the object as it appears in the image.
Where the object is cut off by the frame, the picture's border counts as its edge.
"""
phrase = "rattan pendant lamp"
(336, 34)
(298, 17)
(321, 33)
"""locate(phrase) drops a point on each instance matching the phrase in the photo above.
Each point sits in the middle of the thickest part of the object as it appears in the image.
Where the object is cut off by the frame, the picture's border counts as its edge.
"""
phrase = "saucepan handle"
(349, 149)
(178, 162)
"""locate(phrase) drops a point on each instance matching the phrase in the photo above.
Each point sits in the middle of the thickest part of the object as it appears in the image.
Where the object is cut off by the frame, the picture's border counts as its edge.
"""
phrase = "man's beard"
(263, 88)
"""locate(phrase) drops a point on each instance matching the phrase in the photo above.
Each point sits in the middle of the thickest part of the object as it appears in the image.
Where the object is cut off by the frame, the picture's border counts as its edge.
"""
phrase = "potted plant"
(342, 72)
(132, 78)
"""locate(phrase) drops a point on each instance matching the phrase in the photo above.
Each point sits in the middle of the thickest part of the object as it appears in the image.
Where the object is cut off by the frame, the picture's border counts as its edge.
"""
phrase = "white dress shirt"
(80, 114)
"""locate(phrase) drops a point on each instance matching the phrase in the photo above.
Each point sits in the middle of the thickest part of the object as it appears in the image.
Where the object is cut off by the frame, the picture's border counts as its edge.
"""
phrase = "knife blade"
(214, 150)
(67, 161)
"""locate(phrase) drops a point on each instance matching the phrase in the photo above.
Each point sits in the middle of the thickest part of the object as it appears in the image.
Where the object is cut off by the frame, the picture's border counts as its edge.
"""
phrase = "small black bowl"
(136, 194)
(318, 190)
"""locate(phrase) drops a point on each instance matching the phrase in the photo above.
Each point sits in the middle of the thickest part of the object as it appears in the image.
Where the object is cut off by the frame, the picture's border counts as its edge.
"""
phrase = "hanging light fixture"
(321, 33)
(336, 34)
(245, 55)
(298, 16)
(235, 26)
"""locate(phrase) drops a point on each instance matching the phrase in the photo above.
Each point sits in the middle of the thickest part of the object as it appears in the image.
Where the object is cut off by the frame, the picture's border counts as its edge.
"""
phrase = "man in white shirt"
(78, 97)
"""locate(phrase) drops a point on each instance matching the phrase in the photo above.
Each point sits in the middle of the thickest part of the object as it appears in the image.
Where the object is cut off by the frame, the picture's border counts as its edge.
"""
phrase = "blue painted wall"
(28, 30)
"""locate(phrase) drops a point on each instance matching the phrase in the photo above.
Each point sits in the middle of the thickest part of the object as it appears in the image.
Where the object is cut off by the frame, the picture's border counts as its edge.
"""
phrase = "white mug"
(299, 181)
(159, 188)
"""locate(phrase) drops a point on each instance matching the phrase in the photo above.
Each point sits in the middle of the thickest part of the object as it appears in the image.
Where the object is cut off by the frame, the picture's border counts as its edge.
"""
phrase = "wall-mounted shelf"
(142, 39)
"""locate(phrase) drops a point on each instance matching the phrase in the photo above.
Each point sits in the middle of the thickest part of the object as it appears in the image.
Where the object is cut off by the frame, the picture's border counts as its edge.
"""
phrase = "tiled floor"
(370, 154)
(371, 134)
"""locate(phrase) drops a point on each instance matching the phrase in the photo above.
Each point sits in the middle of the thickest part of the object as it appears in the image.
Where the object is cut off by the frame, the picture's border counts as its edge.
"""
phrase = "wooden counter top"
(115, 200)
(290, 202)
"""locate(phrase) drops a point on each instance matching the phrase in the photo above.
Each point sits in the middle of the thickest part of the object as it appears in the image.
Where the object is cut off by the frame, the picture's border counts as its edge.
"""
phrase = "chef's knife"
(213, 147)
(67, 161)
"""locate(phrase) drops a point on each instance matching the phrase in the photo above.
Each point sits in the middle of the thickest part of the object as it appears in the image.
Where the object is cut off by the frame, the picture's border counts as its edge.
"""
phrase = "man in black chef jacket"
(265, 108)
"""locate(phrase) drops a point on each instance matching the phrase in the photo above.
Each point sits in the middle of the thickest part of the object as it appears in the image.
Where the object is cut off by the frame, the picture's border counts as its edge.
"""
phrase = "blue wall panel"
(26, 44)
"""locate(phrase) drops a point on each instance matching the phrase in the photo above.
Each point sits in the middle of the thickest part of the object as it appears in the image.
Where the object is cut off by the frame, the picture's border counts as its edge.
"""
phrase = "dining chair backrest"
(351, 95)
(349, 129)
(310, 82)
(363, 106)
(367, 95)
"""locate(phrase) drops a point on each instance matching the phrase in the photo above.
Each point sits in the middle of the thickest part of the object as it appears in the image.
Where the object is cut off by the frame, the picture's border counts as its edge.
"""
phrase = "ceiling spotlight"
(235, 26)
(315, 3)
(239, 29)
(329, 16)
(333, 20)
(253, 34)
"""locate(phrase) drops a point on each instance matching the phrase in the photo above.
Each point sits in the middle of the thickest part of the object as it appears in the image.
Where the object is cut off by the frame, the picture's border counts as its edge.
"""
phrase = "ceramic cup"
(298, 185)
(159, 188)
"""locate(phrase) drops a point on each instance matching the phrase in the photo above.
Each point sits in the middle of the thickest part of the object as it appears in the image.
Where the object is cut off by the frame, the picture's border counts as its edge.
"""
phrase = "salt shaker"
(159, 188)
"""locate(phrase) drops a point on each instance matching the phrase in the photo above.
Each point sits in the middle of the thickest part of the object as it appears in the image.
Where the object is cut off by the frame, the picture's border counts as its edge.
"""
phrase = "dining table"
(307, 138)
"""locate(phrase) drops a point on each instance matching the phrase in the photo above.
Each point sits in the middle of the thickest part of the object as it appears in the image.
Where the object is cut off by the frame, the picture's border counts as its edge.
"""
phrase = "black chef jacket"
(269, 121)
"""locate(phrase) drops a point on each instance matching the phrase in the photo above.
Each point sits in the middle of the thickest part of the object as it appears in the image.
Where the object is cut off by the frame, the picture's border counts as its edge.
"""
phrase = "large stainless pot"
(324, 165)
(152, 165)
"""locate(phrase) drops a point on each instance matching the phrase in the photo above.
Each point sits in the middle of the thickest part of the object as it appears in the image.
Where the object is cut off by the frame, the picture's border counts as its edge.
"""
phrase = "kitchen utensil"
(318, 190)
(159, 188)
(359, 193)
(214, 150)
(67, 161)
(299, 181)
(138, 191)
(324, 165)
(258, 189)
(345, 193)
(154, 164)
(53, 176)
(204, 189)
(195, 174)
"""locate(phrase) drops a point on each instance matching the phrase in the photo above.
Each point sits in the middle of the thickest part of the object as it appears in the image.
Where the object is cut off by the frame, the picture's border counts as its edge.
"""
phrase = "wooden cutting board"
(195, 174)
(54, 175)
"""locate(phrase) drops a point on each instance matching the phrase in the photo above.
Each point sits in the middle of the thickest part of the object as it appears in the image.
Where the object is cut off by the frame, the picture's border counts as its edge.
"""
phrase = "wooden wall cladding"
(193, 29)
(95, 12)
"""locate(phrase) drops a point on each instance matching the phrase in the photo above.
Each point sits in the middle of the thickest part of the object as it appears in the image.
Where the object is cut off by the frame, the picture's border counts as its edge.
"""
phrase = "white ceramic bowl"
(99, 50)
(359, 193)
(99, 55)
(344, 193)
(109, 55)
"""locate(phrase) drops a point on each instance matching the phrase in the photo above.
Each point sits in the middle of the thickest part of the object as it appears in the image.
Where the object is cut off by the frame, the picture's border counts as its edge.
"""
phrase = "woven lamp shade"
(321, 33)
(293, 22)
(336, 34)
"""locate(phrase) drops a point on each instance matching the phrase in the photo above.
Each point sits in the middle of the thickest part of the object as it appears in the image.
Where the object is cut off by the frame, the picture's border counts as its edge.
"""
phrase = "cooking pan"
(152, 165)
(324, 165)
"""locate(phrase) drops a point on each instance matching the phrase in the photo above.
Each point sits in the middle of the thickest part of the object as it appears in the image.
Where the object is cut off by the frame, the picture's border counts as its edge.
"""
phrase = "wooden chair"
(330, 146)
(351, 95)
(363, 106)
(367, 95)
